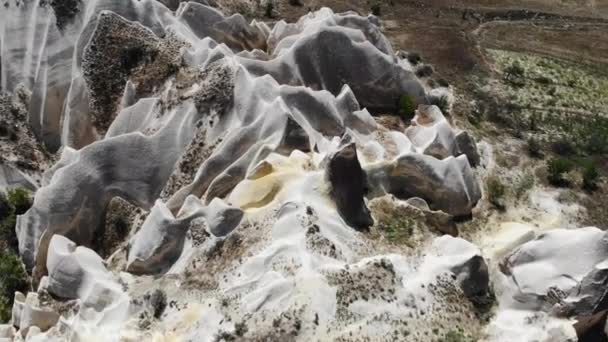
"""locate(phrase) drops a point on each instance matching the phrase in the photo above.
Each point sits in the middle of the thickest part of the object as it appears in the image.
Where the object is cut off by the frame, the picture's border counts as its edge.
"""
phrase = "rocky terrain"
(303, 170)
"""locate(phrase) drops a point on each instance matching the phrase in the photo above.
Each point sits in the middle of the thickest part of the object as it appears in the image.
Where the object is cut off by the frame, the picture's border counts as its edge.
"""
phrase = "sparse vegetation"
(454, 336)
(514, 74)
(590, 176)
(12, 278)
(399, 229)
(20, 200)
(16, 202)
(442, 102)
(376, 10)
(495, 191)
(414, 58)
(158, 300)
(269, 9)
(522, 185)
(534, 148)
(425, 71)
(407, 107)
(556, 169)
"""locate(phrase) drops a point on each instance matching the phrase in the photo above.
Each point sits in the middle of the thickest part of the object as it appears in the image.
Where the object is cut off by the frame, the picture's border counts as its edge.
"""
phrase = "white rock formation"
(252, 152)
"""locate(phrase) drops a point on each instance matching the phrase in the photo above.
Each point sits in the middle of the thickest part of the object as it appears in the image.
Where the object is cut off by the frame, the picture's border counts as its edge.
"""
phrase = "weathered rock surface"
(225, 140)
(563, 272)
(349, 186)
(72, 270)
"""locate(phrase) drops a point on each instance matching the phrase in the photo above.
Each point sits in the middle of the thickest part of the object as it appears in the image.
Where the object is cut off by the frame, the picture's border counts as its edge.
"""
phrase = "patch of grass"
(399, 229)
(454, 336)
(407, 107)
(414, 58)
(556, 169)
(496, 191)
(553, 98)
(15, 202)
(20, 199)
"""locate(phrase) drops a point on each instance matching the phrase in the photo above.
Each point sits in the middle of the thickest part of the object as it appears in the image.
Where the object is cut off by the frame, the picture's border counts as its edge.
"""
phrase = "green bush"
(407, 107)
(12, 278)
(376, 8)
(20, 200)
(522, 185)
(269, 9)
(556, 169)
(496, 191)
(442, 102)
(16, 202)
(414, 58)
(534, 148)
(515, 73)
(590, 177)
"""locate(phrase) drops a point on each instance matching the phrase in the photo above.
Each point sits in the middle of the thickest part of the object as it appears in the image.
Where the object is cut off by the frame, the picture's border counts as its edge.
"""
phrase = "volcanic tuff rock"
(246, 156)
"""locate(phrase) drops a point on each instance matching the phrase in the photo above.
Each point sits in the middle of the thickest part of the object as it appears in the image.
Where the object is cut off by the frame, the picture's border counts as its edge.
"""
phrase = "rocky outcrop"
(72, 270)
(551, 274)
(27, 314)
(349, 186)
(467, 264)
(179, 115)
(160, 241)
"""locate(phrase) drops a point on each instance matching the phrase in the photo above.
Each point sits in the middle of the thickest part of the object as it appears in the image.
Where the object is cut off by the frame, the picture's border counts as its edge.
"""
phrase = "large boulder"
(564, 272)
(160, 241)
(72, 270)
(349, 186)
(28, 313)
(465, 262)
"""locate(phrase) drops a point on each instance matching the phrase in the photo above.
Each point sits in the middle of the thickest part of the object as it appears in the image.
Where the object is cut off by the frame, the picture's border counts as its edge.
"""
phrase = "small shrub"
(425, 71)
(158, 300)
(534, 148)
(12, 278)
(20, 199)
(443, 82)
(398, 229)
(522, 185)
(515, 73)
(414, 58)
(407, 107)
(590, 177)
(556, 169)
(269, 9)
(296, 3)
(563, 147)
(376, 9)
(496, 191)
(442, 102)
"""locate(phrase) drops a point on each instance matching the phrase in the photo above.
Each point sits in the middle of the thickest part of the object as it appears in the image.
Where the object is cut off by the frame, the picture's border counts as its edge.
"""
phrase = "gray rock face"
(448, 185)
(28, 314)
(564, 272)
(467, 264)
(160, 241)
(72, 270)
(349, 186)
